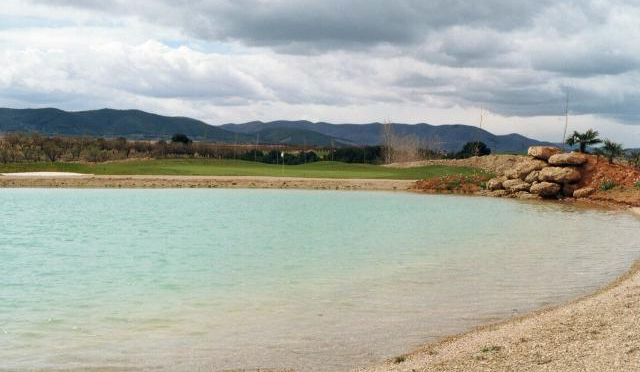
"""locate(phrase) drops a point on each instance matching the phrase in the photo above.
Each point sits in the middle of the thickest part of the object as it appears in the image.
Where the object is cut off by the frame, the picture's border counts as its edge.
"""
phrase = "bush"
(607, 184)
(180, 138)
(470, 149)
(453, 185)
(367, 154)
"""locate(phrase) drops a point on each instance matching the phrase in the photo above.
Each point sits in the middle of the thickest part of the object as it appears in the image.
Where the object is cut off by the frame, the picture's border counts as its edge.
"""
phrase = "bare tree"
(404, 148)
(388, 136)
(52, 148)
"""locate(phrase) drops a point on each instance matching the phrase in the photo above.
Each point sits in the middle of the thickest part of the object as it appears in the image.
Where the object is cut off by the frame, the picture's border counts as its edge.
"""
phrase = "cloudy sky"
(359, 61)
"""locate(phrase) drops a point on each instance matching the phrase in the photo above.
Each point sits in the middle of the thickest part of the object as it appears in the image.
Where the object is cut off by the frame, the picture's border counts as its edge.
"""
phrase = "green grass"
(198, 167)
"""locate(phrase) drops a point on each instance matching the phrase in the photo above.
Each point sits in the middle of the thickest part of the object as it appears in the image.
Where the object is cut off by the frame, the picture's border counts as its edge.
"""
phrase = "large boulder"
(559, 175)
(570, 158)
(543, 152)
(546, 189)
(532, 177)
(496, 183)
(568, 189)
(524, 168)
(499, 193)
(511, 174)
(525, 195)
(516, 185)
(583, 192)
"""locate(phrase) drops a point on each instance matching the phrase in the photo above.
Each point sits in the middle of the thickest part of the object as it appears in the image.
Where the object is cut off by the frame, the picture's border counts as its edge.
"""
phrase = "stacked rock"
(547, 173)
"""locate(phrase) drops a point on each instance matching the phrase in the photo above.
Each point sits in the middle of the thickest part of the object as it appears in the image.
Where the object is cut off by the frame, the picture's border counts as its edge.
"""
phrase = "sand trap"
(45, 174)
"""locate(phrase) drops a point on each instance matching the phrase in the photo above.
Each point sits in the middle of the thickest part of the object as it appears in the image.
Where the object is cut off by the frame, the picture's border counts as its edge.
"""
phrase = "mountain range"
(140, 125)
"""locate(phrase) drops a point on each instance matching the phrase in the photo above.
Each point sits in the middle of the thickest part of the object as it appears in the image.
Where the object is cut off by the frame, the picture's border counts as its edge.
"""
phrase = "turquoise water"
(200, 280)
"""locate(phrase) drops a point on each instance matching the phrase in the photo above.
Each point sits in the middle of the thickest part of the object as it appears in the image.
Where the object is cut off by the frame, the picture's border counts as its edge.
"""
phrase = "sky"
(511, 62)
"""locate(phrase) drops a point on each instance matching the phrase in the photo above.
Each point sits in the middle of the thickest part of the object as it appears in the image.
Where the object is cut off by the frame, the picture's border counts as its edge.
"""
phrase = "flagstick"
(566, 123)
(282, 155)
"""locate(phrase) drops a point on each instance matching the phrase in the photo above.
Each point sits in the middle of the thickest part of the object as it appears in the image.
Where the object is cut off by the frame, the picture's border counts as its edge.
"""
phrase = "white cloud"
(413, 61)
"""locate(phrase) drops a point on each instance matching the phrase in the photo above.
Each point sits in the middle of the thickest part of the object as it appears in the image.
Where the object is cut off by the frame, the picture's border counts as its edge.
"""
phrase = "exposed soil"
(625, 181)
(495, 164)
(453, 184)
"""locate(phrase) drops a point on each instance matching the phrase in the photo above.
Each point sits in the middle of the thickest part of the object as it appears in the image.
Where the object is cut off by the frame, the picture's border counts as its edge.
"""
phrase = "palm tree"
(634, 158)
(588, 138)
(612, 150)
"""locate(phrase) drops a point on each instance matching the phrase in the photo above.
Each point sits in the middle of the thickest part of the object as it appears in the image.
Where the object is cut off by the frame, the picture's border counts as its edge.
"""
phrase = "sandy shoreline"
(599, 332)
(240, 182)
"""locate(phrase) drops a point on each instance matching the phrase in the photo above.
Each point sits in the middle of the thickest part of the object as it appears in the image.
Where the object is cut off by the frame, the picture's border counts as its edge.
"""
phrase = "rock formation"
(547, 173)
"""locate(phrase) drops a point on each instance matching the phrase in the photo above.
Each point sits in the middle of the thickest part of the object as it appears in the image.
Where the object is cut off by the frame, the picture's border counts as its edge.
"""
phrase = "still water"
(201, 280)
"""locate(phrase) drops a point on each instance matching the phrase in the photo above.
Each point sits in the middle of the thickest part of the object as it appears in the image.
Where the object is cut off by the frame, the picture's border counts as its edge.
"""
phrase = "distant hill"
(132, 124)
(445, 137)
(135, 124)
(295, 136)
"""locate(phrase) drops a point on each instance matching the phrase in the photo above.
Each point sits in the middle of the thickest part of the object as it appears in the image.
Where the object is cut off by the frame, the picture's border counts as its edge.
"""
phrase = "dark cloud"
(328, 22)
(596, 61)
(417, 80)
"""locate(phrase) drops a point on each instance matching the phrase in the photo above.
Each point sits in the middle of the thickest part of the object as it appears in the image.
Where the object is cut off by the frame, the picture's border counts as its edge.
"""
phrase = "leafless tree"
(388, 137)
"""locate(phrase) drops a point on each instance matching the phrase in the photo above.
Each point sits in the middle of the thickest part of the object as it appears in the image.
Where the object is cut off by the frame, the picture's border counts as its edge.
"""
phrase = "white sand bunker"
(45, 174)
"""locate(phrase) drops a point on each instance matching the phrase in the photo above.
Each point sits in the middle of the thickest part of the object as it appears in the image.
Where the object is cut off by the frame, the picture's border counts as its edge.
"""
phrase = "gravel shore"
(600, 332)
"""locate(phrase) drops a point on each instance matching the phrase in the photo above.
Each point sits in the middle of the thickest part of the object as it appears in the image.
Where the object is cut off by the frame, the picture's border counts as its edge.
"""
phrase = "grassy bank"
(197, 167)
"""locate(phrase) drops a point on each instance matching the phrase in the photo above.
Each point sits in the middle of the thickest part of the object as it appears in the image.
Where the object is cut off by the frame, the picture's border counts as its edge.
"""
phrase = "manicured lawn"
(197, 167)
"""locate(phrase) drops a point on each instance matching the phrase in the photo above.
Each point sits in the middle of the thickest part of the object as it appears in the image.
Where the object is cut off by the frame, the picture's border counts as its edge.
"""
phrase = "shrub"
(607, 184)
(399, 359)
(453, 184)
(470, 149)
(181, 138)
(488, 349)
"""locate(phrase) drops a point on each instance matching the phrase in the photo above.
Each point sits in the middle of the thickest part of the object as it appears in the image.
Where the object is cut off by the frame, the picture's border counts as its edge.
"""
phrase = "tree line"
(33, 148)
